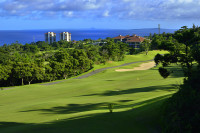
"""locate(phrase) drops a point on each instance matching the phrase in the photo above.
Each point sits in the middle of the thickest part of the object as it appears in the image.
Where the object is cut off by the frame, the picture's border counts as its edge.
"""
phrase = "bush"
(158, 59)
(164, 72)
(182, 110)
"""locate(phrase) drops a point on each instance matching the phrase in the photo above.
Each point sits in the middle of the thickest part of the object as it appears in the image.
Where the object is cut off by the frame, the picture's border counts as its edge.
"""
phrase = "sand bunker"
(144, 66)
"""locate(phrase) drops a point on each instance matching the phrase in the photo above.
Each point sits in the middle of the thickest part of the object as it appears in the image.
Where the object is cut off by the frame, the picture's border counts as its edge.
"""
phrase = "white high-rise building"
(50, 37)
(65, 36)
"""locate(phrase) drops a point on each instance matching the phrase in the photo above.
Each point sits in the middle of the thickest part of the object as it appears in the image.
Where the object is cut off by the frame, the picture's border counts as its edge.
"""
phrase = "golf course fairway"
(81, 105)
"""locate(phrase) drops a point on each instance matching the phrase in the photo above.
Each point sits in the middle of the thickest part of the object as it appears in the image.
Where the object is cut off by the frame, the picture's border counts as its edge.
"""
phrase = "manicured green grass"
(128, 58)
(131, 58)
(80, 105)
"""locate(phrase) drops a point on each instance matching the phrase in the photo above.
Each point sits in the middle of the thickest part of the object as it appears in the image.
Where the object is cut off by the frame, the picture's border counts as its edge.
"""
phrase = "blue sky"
(100, 14)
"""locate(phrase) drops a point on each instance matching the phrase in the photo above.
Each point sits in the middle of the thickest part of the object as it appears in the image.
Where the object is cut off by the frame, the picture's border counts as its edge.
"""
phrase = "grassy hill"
(80, 105)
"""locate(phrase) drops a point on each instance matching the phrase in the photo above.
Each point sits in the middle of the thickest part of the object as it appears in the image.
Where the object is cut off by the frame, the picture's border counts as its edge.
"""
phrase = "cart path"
(95, 72)
(102, 69)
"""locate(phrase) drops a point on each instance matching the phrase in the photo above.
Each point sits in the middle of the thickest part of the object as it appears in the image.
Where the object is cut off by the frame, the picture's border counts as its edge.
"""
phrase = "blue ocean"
(28, 36)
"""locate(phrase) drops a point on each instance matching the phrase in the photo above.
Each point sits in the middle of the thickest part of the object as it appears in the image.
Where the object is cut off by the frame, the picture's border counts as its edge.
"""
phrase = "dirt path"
(144, 66)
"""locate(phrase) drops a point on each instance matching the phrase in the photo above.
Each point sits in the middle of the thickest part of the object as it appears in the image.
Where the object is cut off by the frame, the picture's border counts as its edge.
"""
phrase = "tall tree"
(5, 71)
(146, 44)
(22, 70)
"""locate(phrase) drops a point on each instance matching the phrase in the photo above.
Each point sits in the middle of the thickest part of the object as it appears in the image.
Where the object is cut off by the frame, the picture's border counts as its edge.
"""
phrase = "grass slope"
(128, 59)
(80, 105)
(131, 58)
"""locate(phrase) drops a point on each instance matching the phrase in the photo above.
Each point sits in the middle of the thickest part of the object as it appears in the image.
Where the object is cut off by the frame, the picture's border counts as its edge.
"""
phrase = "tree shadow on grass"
(118, 106)
(77, 108)
(109, 80)
(136, 90)
(125, 101)
(70, 108)
(175, 72)
(144, 119)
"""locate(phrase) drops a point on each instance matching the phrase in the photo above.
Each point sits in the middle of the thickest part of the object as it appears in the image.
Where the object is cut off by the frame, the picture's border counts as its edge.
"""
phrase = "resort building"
(65, 36)
(133, 41)
(50, 37)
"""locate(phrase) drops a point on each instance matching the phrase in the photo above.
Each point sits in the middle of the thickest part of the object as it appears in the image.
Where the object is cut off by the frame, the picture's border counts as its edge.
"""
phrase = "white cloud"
(124, 9)
(185, 1)
(106, 13)
(13, 11)
(68, 14)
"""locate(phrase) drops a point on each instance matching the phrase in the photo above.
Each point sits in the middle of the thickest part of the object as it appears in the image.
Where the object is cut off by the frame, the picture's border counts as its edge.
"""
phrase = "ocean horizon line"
(28, 36)
(85, 29)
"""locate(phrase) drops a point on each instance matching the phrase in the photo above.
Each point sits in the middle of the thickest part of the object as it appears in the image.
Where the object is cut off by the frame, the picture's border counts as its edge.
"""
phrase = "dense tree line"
(41, 62)
(182, 110)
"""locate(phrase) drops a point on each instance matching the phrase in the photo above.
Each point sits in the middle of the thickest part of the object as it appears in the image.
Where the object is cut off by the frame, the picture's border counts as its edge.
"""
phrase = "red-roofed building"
(133, 41)
(119, 38)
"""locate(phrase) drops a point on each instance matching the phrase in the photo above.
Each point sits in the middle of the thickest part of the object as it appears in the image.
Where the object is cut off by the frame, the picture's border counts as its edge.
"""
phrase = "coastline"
(28, 36)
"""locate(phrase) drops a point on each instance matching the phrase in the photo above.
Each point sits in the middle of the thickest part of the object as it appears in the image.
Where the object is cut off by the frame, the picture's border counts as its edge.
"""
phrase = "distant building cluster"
(65, 36)
(133, 41)
(50, 37)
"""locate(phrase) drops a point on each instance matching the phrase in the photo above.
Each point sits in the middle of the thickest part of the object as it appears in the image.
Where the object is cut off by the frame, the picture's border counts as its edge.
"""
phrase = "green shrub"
(182, 110)
(164, 72)
(158, 59)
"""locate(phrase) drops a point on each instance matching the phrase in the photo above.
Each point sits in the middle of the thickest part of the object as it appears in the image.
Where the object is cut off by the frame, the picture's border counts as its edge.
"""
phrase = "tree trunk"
(65, 76)
(189, 66)
(146, 52)
(22, 81)
(186, 52)
(29, 82)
